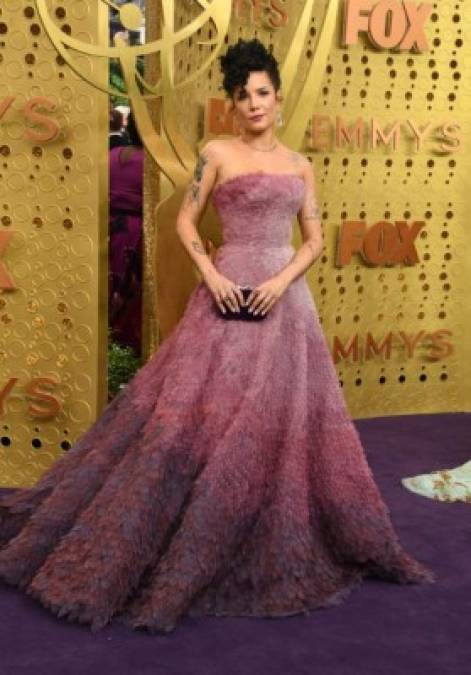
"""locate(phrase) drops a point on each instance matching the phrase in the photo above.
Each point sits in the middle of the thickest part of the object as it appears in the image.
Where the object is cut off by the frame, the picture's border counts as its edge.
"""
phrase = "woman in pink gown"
(227, 477)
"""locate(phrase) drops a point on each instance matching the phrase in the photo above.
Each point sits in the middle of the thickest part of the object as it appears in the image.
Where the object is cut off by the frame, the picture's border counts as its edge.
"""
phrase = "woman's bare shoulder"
(221, 153)
(219, 146)
(299, 161)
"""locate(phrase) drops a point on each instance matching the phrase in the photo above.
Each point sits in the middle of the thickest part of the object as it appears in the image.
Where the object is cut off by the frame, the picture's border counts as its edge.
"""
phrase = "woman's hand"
(265, 295)
(223, 291)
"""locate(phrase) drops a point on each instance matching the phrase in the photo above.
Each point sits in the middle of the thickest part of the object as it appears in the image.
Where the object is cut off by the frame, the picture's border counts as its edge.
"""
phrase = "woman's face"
(256, 104)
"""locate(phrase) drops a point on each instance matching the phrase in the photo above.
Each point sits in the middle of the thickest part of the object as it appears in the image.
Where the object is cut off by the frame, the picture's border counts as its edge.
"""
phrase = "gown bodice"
(256, 212)
(258, 207)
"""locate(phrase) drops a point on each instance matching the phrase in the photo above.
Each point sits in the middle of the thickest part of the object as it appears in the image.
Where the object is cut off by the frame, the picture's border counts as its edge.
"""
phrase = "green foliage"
(116, 79)
(122, 365)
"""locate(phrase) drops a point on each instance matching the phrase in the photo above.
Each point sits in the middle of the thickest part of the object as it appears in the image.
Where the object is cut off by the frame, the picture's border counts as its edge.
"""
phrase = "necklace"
(261, 149)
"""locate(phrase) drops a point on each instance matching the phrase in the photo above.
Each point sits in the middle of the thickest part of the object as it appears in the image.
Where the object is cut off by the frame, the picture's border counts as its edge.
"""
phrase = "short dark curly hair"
(244, 57)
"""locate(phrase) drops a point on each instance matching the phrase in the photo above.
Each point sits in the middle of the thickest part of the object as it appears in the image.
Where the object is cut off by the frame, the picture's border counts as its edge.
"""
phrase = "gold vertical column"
(150, 327)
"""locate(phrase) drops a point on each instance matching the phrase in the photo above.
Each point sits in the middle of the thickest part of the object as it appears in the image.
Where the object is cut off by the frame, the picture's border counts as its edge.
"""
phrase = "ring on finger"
(265, 306)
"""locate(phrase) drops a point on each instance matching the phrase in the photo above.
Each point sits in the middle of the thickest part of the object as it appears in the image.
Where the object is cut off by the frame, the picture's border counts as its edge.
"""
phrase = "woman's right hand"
(223, 291)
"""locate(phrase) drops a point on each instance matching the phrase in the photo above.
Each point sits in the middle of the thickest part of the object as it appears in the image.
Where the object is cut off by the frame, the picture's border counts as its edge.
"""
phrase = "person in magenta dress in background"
(226, 478)
(116, 137)
(126, 165)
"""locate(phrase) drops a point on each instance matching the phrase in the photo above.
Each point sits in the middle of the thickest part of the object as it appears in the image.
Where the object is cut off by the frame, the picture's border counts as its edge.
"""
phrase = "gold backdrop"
(53, 251)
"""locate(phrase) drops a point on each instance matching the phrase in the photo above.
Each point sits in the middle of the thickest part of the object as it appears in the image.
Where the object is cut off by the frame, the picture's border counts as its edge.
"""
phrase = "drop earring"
(279, 119)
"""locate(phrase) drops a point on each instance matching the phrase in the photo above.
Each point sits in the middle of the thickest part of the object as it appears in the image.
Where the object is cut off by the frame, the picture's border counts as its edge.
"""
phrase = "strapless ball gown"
(227, 477)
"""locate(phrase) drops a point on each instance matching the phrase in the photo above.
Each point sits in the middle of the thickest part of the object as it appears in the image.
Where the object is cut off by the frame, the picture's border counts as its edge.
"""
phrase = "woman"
(227, 477)
(126, 165)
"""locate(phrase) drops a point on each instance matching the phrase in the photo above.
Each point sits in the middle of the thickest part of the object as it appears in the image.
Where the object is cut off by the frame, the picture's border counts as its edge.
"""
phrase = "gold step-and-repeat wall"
(375, 95)
(53, 235)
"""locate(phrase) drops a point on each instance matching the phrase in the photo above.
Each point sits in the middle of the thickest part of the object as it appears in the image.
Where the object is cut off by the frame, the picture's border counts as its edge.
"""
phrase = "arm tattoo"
(193, 191)
(198, 173)
(313, 212)
(197, 247)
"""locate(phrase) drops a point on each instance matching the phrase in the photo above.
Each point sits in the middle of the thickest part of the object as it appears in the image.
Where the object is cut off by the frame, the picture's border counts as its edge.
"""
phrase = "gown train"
(226, 478)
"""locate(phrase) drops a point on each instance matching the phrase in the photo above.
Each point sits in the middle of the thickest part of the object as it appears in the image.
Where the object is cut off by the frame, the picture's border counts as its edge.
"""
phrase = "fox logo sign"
(382, 244)
(389, 24)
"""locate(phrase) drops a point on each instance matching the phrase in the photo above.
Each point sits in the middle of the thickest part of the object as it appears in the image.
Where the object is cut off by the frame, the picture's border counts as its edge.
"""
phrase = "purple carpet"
(381, 629)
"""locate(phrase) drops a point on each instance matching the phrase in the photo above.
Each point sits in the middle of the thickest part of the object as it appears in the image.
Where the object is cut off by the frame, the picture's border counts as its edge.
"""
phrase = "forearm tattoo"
(197, 247)
(193, 191)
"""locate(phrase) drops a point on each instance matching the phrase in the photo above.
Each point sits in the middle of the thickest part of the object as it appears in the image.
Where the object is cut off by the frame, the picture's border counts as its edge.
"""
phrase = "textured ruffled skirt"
(226, 478)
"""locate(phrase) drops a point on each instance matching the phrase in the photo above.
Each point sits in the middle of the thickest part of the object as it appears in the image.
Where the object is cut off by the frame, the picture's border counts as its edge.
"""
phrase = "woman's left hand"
(265, 295)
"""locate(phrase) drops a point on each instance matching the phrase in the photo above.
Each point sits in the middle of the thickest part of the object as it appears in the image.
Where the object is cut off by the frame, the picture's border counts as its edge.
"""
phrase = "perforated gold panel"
(397, 331)
(412, 303)
(53, 239)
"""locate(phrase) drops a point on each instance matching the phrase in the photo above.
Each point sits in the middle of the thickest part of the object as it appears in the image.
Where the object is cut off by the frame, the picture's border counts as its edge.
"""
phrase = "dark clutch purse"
(244, 313)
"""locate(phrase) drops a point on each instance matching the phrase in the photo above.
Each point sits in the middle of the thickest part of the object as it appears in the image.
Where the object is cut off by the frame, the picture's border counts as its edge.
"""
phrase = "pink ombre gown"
(227, 477)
